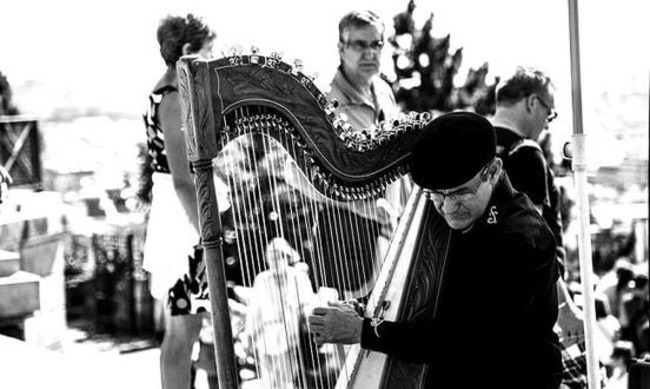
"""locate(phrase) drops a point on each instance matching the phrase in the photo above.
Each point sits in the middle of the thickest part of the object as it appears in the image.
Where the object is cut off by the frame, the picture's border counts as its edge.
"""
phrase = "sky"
(105, 53)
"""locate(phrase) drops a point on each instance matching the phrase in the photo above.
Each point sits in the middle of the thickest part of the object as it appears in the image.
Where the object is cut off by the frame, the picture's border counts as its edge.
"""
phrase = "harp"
(293, 169)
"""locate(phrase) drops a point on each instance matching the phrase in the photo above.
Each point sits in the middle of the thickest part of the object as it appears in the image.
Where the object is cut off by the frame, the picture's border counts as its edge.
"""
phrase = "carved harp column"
(201, 142)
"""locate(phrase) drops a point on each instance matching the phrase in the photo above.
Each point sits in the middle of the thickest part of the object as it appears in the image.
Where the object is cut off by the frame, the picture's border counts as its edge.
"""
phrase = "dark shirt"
(494, 323)
(526, 166)
(530, 173)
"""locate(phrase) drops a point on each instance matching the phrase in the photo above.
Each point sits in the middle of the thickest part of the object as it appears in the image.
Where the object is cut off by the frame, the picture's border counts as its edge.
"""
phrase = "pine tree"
(425, 71)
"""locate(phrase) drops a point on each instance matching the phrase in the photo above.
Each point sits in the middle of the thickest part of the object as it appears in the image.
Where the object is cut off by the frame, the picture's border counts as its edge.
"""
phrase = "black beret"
(451, 150)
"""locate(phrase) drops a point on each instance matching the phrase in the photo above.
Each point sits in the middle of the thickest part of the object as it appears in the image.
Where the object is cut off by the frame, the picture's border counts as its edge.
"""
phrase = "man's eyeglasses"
(552, 114)
(462, 194)
(361, 45)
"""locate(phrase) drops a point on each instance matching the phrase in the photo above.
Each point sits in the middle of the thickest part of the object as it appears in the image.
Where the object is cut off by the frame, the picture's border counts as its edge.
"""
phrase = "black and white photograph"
(291, 194)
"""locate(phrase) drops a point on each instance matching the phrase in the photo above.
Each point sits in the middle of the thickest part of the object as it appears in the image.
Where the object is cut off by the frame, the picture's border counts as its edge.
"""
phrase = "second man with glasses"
(525, 107)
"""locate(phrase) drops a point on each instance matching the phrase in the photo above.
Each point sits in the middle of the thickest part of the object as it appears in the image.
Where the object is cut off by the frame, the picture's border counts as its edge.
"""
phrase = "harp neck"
(254, 93)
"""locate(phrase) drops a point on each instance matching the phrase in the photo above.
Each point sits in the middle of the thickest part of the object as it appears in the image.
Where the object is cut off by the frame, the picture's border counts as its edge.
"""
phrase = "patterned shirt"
(155, 135)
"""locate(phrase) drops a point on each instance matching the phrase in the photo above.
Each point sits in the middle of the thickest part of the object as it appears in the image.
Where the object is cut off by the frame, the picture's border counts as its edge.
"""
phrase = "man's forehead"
(370, 32)
(451, 190)
(460, 188)
(548, 94)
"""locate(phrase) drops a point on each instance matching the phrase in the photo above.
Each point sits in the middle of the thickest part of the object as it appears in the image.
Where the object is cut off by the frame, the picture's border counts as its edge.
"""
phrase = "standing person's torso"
(155, 134)
(530, 174)
(363, 111)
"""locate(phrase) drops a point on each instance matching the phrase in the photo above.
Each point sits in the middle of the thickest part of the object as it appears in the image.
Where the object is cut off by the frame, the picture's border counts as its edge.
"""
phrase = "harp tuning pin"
(313, 76)
(276, 55)
(329, 108)
(297, 65)
(235, 50)
(334, 103)
(254, 54)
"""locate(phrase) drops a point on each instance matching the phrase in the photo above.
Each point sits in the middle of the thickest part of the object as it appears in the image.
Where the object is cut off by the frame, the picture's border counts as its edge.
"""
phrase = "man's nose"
(448, 205)
(369, 52)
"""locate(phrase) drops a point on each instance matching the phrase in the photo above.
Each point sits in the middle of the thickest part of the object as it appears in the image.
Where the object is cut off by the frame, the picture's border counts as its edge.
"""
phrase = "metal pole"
(580, 178)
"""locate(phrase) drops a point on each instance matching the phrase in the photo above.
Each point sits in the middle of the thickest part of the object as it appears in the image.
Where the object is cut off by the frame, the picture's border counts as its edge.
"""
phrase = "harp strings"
(271, 198)
(296, 235)
(313, 252)
(278, 368)
(308, 250)
(275, 166)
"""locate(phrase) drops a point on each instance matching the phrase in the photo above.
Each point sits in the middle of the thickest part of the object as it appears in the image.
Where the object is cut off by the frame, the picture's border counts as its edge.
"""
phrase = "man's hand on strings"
(337, 323)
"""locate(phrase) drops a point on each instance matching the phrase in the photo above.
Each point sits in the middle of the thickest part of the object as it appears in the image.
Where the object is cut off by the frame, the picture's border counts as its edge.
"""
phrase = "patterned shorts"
(189, 295)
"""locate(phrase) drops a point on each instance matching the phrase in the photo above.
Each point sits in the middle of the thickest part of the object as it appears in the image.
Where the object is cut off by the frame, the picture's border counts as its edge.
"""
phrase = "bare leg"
(181, 332)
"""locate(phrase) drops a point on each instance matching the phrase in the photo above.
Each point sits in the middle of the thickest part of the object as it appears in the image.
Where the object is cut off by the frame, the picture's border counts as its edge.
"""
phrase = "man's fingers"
(315, 321)
(320, 311)
(319, 339)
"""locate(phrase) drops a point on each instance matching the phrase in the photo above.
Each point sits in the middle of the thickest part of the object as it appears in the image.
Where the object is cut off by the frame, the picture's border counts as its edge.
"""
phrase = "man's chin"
(458, 224)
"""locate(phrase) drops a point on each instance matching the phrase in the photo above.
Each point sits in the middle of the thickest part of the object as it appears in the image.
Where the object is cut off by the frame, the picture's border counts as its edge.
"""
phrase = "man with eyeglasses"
(365, 100)
(525, 108)
(493, 323)
(363, 96)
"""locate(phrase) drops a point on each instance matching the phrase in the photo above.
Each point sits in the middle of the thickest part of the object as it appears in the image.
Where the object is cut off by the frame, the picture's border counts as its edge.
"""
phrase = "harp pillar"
(213, 256)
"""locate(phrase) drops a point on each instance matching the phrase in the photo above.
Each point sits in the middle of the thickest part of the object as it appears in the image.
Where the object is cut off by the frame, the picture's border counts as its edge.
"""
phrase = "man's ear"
(494, 172)
(341, 47)
(186, 49)
(530, 102)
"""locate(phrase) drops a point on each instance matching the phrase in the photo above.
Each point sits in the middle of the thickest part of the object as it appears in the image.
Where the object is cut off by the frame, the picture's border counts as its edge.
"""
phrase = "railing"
(20, 149)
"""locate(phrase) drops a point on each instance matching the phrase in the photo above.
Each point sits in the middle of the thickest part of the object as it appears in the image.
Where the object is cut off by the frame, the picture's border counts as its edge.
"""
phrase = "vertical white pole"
(580, 179)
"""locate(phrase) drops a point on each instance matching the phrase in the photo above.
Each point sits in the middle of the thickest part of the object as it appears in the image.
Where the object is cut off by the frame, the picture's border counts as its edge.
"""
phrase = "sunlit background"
(84, 70)
(67, 60)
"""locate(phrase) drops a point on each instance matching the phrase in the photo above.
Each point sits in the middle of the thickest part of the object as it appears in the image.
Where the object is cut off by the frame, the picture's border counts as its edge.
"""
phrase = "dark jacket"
(493, 326)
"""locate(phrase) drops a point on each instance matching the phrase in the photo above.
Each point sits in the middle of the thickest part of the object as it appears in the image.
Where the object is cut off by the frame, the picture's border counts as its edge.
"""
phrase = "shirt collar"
(350, 92)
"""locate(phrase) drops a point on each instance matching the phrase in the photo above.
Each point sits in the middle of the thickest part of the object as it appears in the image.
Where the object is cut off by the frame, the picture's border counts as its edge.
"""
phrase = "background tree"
(7, 106)
(425, 71)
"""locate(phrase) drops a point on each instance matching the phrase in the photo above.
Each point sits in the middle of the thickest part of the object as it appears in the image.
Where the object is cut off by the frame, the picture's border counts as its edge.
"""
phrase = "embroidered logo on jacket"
(492, 219)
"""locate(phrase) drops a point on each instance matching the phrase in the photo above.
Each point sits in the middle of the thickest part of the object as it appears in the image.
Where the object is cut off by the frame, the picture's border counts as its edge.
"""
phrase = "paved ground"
(85, 360)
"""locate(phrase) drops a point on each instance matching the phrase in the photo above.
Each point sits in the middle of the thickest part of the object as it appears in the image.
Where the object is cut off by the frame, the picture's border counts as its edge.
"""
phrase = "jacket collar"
(502, 196)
